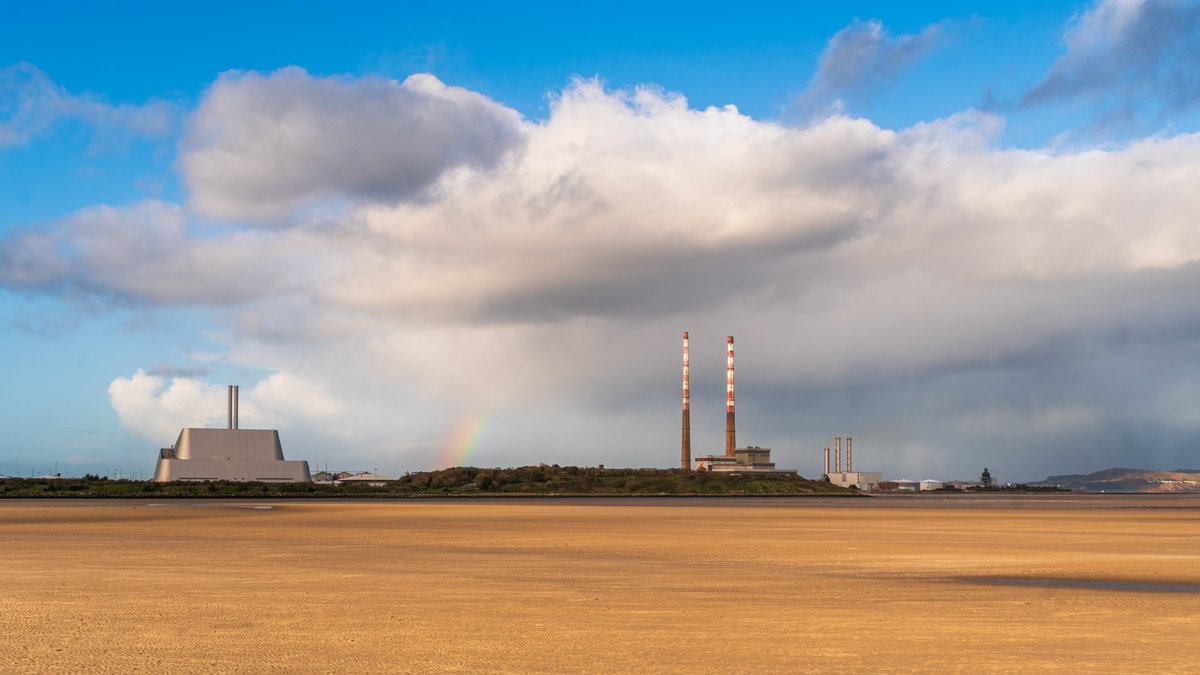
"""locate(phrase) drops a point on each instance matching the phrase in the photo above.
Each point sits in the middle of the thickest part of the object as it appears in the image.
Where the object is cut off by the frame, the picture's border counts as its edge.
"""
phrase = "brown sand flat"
(1065, 584)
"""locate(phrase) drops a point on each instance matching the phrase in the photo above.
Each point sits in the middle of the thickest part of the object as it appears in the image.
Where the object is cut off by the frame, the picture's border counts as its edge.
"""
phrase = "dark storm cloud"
(1065, 405)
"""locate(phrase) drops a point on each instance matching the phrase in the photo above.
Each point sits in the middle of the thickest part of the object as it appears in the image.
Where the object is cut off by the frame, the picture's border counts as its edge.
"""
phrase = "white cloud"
(144, 253)
(546, 291)
(260, 146)
(157, 408)
(1127, 56)
(856, 62)
(31, 104)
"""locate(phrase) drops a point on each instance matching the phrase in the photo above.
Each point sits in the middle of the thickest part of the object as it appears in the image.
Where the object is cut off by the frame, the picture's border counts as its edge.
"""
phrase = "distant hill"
(1128, 480)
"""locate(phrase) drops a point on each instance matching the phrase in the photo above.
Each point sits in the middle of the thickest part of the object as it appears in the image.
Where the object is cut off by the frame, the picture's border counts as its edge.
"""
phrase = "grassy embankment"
(460, 481)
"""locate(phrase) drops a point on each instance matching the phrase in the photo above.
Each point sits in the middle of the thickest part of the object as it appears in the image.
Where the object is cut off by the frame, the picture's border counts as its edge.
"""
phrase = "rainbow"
(460, 447)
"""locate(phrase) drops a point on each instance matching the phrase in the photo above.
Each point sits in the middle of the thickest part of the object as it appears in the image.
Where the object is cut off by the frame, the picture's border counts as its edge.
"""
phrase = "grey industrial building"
(230, 454)
(744, 460)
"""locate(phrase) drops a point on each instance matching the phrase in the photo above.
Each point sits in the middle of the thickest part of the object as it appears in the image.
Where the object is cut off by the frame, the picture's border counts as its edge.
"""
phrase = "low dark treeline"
(544, 479)
(554, 479)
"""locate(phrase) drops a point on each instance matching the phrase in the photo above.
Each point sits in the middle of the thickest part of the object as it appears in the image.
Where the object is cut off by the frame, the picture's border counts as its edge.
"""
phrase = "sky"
(466, 233)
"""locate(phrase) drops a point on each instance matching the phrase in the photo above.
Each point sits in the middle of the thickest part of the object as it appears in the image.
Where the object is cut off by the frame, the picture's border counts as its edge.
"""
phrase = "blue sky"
(195, 195)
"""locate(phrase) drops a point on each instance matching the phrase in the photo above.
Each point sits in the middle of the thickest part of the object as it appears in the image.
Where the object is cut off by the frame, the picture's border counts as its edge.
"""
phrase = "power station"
(231, 454)
(751, 459)
(863, 480)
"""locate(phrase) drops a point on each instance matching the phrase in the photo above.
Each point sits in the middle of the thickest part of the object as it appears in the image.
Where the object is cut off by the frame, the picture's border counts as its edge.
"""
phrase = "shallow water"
(252, 507)
(1082, 584)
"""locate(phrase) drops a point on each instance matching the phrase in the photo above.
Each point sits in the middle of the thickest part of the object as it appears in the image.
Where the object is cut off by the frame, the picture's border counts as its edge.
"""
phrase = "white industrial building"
(862, 480)
(230, 454)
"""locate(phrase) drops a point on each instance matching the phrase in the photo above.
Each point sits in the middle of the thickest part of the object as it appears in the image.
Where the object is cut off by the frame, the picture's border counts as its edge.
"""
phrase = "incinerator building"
(231, 454)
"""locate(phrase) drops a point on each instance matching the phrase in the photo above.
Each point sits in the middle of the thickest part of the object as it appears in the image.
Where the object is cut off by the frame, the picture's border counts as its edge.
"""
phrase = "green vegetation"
(531, 481)
(572, 480)
(91, 486)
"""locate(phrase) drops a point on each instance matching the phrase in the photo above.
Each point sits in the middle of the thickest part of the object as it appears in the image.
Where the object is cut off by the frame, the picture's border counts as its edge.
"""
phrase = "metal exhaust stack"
(730, 433)
(837, 449)
(235, 406)
(229, 406)
(685, 458)
(849, 454)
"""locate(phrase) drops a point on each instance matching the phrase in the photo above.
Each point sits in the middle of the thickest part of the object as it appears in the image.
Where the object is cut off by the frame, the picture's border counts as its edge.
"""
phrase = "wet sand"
(1014, 584)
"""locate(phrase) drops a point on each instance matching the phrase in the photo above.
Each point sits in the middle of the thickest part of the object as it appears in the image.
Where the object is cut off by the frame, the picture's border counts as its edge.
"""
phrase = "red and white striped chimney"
(685, 458)
(730, 432)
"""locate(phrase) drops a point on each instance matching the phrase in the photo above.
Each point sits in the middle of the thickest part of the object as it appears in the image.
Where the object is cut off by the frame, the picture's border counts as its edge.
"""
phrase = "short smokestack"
(730, 427)
(837, 450)
(229, 406)
(235, 406)
(826, 461)
(685, 457)
(849, 454)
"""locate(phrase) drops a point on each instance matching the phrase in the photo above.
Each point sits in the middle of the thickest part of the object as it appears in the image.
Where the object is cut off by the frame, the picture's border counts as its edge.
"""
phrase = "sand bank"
(1061, 583)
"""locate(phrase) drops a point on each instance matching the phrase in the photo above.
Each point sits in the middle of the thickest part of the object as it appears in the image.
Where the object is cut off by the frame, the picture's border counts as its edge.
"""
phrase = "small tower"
(986, 479)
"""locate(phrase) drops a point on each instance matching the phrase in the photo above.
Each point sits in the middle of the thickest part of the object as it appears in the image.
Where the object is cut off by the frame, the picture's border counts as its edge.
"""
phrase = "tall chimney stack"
(849, 454)
(229, 404)
(730, 433)
(826, 461)
(235, 406)
(685, 458)
(837, 449)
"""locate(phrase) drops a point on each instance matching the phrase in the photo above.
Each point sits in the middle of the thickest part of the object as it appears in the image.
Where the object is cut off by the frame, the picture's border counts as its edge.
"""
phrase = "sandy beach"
(1016, 584)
